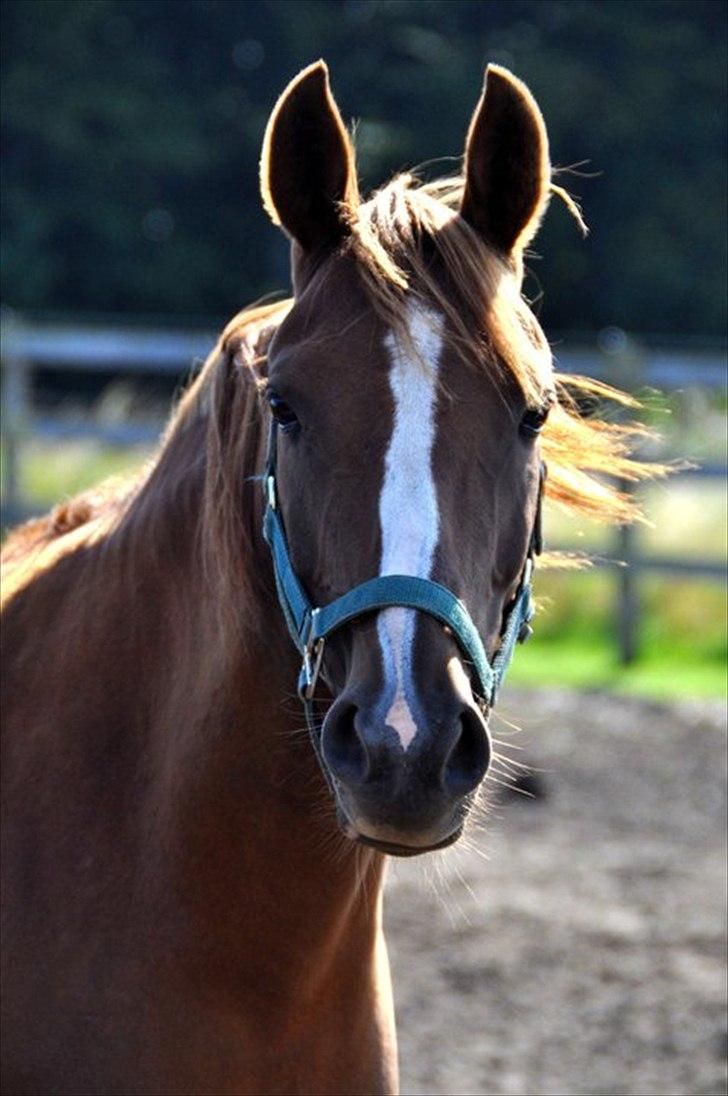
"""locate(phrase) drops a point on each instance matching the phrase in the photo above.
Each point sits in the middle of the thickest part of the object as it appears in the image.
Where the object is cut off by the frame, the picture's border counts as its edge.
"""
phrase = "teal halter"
(310, 626)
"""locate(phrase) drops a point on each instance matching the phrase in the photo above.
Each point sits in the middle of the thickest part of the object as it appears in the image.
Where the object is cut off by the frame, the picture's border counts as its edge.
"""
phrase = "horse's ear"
(507, 170)
(307, 167)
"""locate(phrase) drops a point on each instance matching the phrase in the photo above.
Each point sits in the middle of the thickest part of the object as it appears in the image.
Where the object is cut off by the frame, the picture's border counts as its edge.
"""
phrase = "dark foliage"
(132, 131)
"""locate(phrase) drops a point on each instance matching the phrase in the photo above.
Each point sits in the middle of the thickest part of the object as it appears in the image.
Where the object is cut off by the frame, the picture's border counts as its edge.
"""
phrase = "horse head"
(407, 386)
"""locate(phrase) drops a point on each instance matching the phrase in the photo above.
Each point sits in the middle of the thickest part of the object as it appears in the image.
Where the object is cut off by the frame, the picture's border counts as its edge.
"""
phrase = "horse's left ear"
(507, 170)
(307, 167)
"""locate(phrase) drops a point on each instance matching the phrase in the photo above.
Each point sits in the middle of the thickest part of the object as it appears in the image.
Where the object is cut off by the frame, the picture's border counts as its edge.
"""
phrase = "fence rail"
(26, 348)
(129, 350)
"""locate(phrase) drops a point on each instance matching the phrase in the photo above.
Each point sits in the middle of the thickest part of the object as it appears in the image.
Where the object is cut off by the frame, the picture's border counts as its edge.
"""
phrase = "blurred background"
(132, 229)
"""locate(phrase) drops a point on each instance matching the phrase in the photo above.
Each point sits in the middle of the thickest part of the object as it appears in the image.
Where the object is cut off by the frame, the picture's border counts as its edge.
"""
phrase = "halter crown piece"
(310, 626)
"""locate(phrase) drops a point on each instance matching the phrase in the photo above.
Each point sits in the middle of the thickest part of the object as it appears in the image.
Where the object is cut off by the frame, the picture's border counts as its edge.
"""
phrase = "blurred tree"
(131, 134)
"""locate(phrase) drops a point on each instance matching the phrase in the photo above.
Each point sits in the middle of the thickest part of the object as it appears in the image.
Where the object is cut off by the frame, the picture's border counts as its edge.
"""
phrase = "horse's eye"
(282, 413)
(533, 420)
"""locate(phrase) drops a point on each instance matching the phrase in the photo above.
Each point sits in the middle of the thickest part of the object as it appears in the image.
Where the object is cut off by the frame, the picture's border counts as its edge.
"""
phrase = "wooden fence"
(26, 348)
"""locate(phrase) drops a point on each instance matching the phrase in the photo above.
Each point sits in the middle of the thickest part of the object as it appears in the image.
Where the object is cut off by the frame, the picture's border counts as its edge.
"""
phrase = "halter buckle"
(270, 491)
(313, 654)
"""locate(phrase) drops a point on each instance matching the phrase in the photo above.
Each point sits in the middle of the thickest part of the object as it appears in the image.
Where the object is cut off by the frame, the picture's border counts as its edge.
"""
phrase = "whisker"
(513, 788)
(500, 718)
(469, 846)
(506, 744)
(524, 766)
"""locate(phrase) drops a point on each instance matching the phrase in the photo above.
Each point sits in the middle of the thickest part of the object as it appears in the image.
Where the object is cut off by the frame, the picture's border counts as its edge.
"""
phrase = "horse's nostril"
(342, 747)
(468, 760)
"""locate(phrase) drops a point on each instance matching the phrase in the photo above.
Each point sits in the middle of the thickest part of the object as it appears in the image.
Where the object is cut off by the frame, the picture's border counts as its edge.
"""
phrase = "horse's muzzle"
(405, 801)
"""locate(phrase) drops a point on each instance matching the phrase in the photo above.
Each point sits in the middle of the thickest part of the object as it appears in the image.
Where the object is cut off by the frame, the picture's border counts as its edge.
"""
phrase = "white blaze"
(408, 504)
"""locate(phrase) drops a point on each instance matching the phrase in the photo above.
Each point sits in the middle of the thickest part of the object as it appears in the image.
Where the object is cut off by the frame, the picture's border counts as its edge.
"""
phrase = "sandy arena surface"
(587, 954)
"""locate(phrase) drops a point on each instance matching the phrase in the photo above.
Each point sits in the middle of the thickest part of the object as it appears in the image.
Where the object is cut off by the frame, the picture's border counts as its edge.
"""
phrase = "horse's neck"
(174, 866)
(244, 828)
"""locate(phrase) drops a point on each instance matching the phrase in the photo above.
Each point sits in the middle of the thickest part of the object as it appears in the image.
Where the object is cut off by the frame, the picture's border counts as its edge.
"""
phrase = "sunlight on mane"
(394, 237)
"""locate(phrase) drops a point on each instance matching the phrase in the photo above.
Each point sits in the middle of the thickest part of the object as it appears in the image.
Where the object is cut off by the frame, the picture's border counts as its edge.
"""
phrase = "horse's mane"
(214, 425)
(394, 238)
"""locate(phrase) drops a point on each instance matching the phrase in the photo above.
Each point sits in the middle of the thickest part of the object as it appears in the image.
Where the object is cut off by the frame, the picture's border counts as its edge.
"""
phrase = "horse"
(193, 894)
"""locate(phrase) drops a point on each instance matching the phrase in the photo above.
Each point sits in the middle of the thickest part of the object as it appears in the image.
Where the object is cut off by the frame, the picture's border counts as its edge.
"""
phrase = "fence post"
(16, 415)
(627, 367)
(628, 596)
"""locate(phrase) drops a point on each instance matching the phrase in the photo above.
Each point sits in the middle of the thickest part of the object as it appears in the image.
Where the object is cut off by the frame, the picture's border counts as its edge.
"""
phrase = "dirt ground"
(586, 954)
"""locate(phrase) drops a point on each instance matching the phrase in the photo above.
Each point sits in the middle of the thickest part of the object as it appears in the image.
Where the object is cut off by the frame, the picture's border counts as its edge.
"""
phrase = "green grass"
(51, 473)
(592, 664)
(683, 623)
(682, 643)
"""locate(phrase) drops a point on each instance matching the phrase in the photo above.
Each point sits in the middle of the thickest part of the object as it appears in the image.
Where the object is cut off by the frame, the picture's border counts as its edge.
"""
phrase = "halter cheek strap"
(310, 626)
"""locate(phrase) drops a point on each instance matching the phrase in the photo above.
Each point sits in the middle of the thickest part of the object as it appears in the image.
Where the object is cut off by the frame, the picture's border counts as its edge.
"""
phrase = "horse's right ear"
(307, 167)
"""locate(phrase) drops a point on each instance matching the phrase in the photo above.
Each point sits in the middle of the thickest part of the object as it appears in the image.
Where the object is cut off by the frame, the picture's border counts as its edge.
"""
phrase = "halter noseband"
(310, 626)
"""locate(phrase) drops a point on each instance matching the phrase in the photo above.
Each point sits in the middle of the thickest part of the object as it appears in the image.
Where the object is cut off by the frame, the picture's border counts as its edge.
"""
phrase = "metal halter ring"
(312, 656)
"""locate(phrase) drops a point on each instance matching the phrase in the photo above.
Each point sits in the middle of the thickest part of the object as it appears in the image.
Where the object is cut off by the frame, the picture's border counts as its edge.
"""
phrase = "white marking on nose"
(408, 504)
(459, 679)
